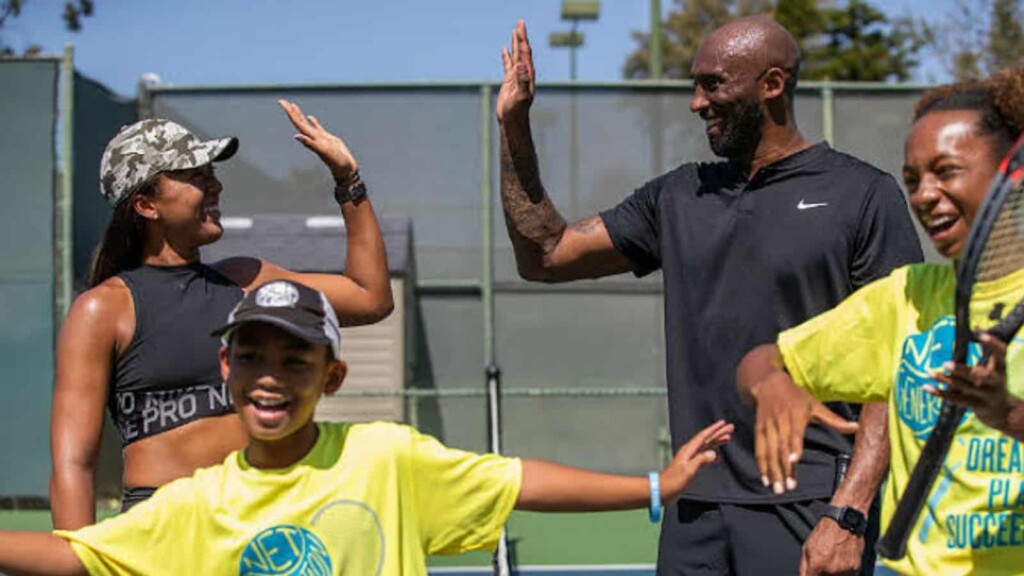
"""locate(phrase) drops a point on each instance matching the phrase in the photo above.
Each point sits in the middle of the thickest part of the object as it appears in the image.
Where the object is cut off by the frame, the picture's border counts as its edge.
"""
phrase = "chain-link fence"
(574, 357)
(29, 268)
(582, 363)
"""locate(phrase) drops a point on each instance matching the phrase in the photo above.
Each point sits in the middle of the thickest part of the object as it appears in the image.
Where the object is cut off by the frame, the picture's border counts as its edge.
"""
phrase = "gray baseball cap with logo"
(142, 150)
(302, 311)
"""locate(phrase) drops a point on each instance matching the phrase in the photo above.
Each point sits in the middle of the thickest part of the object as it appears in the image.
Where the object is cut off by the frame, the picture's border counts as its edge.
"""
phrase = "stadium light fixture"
(574, 11)
(581, 9)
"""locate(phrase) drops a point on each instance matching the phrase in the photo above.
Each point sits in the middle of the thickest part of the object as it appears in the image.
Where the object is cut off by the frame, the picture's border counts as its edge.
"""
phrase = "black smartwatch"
(849, 519)
(352, 192)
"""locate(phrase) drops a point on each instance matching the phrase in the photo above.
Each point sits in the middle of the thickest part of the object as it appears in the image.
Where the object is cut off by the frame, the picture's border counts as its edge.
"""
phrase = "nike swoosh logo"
(804, 206)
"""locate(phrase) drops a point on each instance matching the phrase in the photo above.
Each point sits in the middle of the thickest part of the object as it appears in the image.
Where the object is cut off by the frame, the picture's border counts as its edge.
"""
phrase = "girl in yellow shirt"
(892, 341)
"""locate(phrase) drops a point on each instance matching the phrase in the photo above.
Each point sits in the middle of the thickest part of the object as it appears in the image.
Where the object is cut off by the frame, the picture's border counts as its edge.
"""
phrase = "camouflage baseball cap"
(142, 150)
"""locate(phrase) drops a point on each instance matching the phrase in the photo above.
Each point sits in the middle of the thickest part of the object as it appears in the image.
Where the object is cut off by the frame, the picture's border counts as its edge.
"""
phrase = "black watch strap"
(849, 519)
(353, 191)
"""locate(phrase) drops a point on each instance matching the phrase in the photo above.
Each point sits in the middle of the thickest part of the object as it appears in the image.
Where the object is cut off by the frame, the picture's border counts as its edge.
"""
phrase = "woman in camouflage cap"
(138, 340)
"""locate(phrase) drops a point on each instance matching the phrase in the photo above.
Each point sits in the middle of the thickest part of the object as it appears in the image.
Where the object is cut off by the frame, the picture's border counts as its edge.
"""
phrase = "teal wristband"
(654, 511)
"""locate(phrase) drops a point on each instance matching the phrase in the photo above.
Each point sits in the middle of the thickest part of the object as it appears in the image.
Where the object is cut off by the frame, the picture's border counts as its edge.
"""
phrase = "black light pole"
(574, 11)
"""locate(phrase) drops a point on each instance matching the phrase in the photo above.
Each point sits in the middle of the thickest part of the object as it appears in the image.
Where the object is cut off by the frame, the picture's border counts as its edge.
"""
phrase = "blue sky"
(190, 42)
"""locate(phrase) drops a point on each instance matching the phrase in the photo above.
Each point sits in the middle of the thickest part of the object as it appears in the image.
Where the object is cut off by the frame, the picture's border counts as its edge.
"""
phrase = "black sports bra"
(170, 373)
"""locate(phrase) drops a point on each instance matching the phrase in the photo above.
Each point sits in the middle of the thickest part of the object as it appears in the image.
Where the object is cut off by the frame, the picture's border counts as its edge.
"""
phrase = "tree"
(1006, 35)
(687, 24)
(802, 18)
(72, 15)
(976, 38)
(848, 41)
(9, 9)
(861, 44)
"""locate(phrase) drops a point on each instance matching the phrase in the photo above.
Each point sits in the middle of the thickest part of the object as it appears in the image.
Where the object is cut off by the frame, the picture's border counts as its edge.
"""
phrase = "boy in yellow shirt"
(327, 498)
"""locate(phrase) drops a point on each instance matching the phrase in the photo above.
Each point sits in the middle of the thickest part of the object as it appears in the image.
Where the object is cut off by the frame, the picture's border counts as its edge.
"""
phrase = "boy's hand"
(700, 450)
(331, 149)
(783, 412)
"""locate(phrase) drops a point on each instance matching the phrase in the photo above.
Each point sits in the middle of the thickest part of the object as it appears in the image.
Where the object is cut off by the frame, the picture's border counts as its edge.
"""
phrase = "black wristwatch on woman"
(354, 190)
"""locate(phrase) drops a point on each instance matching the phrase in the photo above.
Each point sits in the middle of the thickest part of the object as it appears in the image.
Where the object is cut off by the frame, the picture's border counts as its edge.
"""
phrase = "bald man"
(778, 231)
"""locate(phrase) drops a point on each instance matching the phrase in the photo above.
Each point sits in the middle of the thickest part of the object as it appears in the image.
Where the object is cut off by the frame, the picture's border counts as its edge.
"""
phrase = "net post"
(501, 565)
(63, 208)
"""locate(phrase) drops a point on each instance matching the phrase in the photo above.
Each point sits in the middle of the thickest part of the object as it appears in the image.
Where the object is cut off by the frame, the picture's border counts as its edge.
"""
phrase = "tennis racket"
(994, 249)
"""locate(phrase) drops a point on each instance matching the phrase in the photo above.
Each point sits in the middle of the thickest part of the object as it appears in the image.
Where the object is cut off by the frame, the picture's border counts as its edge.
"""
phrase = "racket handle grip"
(842, 466)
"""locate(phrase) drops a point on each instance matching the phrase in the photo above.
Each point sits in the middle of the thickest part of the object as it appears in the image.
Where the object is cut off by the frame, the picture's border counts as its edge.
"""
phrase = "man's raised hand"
(519, 82)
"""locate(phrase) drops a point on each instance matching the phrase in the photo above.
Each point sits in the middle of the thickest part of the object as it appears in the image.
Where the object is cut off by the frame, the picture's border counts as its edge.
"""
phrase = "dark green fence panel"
(28, 117)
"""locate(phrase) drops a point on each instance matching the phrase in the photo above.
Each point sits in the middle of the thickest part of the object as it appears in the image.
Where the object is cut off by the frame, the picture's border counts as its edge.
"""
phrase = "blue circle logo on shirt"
(923, 354)
(285, 550)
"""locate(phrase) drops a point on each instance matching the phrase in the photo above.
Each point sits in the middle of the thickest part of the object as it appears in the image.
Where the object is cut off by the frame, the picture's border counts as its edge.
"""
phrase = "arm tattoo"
(534, 225)
(587, 225)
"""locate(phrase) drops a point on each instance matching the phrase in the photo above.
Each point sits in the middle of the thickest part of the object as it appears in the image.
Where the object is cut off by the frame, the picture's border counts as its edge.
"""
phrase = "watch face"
(852, 518)
(358, 191)
(353, 194)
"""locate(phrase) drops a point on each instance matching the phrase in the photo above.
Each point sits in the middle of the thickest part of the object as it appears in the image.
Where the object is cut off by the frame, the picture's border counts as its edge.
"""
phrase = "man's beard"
(740, 130)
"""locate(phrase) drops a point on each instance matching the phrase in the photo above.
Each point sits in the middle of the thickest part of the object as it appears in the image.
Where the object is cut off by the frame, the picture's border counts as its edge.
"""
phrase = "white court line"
(325, 222)
(633, 569)
(236, 223)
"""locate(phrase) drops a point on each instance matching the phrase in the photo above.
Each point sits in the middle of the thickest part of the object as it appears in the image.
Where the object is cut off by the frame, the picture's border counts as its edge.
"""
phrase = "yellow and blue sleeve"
(148, 539)
(461, 499)
(846, 353)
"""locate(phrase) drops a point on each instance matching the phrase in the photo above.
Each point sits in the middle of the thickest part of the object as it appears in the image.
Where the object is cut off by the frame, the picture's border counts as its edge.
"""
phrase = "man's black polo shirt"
(742, 261)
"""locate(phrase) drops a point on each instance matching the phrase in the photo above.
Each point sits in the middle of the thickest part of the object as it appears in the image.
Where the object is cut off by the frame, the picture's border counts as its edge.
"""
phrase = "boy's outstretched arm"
(550, 487)
(37, 554)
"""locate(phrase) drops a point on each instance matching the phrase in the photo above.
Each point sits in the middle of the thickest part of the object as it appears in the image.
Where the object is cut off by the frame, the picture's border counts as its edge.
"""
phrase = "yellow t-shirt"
(881, 344)
(369, 499)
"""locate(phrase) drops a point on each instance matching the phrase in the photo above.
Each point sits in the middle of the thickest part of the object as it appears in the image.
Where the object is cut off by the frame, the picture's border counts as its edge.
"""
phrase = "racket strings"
(1003, 253)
